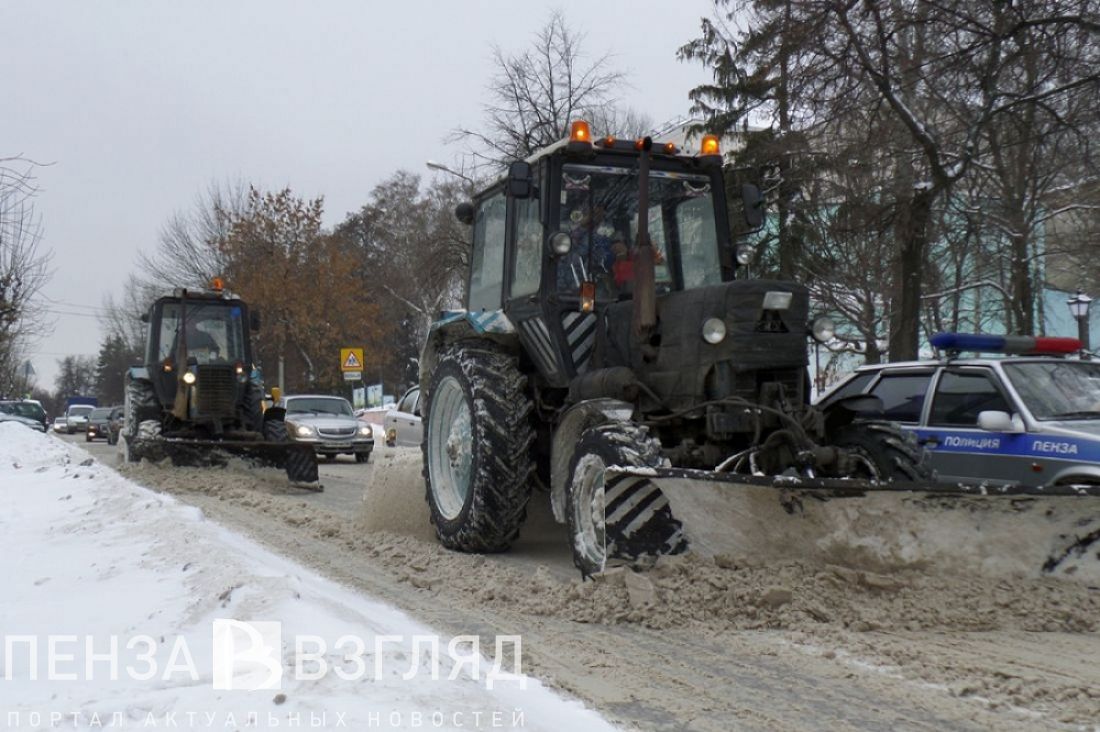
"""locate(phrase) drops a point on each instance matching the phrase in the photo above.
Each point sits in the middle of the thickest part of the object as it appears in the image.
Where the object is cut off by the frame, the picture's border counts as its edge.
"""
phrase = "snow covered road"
(692, 645)
(114, 607)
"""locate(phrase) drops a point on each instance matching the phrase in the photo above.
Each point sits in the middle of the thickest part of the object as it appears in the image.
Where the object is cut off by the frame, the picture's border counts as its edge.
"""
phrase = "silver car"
(402, 422)
(1019, 420)
(328, 423)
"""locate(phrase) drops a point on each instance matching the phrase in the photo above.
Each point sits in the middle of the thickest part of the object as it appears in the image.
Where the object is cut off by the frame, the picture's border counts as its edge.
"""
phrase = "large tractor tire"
(274, 430)
(477, 448)
(252, 411)
(141, 407)
(626, 517)
(884, 451)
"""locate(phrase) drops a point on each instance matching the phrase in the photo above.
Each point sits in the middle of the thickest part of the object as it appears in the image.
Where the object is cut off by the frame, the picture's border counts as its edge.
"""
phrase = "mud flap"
(1006, 531)
(299, 460)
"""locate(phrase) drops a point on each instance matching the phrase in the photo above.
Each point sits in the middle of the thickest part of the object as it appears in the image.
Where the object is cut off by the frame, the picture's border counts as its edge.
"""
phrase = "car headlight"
(189, 377)
(365, 431)
(823, 329)
(714, 330)
(302, 430)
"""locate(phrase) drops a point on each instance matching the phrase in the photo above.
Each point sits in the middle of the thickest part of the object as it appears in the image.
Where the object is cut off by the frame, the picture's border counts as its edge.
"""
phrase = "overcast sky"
(140, 105)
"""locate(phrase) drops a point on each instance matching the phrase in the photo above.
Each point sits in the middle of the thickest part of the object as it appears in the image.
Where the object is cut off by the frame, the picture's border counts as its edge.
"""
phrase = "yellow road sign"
(351, 359)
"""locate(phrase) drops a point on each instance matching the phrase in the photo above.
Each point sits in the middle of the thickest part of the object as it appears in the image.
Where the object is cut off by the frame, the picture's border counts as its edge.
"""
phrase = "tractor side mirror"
(254, 321)
(145, 317)
(464, 212)
(520, 184)
(753, 201)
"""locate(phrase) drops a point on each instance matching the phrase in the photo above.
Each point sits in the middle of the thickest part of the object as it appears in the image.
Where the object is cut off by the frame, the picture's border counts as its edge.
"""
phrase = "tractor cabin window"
(487, 269)
(525, 279)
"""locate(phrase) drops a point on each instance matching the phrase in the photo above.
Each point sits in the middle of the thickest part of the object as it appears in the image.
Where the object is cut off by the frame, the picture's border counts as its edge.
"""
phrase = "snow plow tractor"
(197, 398)
(615, 353)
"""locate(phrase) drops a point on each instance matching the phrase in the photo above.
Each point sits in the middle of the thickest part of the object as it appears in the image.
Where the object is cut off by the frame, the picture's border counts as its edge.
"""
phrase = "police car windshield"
(1055, 390)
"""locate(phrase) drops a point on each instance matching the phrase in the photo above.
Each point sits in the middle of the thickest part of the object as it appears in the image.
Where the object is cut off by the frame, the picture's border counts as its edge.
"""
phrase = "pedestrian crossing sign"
(351, 359)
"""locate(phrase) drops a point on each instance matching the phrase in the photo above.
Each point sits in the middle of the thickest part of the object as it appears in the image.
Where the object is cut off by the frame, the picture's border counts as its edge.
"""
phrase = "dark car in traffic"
(99, 423)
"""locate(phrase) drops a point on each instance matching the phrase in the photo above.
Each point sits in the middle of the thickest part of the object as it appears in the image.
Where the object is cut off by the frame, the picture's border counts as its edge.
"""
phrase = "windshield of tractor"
(1056, 390)
(319, 405)
(214, 332)
(599, 211)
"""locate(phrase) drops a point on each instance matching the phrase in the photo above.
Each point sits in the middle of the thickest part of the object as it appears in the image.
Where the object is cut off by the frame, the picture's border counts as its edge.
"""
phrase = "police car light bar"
(1030, 345)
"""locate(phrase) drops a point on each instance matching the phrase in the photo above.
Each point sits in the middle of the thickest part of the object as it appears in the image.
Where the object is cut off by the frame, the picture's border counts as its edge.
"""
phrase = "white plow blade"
(889, 530)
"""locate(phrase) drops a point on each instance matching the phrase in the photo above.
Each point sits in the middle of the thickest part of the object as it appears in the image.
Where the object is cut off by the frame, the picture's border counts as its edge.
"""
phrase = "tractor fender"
(136, 373)
(455, 325)
(573, 422)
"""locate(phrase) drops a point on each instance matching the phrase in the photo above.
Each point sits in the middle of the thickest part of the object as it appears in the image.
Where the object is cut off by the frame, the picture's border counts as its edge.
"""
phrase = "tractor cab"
(198, 346)
(557, 240)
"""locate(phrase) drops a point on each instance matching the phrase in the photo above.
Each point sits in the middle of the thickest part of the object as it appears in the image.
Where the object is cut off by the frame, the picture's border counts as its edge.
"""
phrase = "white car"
(328, 423)
(76, 417)
(403, 423)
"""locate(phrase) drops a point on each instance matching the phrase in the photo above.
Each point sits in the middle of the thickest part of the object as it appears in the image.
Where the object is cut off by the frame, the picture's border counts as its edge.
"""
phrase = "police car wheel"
(884, 451)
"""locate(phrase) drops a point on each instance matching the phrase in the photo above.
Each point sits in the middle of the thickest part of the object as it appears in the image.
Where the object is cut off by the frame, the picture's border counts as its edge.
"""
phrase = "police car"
(1029, 415)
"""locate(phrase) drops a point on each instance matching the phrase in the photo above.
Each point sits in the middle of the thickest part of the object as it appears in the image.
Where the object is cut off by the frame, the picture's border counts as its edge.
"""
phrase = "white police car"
(1030, 416)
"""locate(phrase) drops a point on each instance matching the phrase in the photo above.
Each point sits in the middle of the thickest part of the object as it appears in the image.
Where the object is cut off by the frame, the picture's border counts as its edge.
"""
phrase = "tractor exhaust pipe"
(645, 276)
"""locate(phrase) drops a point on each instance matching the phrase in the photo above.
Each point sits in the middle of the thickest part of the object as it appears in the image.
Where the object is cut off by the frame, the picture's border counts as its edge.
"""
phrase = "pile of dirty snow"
(89, 556)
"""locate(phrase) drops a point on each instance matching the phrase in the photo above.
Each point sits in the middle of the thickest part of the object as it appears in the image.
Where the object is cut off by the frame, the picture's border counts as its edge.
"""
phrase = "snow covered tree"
(24, 267)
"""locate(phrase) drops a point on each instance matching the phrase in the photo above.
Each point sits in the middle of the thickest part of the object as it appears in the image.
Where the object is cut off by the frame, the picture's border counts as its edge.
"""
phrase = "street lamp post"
(444, 169)
(1079, 308)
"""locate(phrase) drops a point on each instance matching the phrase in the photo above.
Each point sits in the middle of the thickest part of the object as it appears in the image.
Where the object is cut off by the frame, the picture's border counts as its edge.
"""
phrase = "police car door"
(959, 448)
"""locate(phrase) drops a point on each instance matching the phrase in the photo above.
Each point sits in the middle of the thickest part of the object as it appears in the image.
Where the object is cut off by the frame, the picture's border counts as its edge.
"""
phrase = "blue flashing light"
(968, 342)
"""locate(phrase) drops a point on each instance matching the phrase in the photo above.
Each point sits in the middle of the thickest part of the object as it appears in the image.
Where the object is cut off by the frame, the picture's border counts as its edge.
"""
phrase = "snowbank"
(87, 557)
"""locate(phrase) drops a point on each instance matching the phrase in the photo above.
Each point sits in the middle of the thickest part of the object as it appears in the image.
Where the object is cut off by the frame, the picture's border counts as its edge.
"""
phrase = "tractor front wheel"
(884, 451)
(624, 516)
(477, 448)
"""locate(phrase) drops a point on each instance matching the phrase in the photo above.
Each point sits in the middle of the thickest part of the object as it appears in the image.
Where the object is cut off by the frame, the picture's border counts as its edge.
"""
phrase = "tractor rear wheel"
(477, 447)
(624, 517)
(884, 451)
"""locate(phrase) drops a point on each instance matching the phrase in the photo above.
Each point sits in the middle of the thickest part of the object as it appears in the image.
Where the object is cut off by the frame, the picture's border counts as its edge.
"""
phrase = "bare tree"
(535, 93)
(24, 267)
(190, 250)
(926, 81)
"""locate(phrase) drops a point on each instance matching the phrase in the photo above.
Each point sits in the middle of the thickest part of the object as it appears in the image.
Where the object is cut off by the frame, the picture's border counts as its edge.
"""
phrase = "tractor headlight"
(365, 431)
(189, 377)
(302, 430)
(714, 330)
(560, 243)
(745, 254)
(823, 329)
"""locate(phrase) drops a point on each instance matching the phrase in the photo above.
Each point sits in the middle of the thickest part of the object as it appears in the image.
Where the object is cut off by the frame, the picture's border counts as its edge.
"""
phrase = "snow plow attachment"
(299, 460)
(1007, 531)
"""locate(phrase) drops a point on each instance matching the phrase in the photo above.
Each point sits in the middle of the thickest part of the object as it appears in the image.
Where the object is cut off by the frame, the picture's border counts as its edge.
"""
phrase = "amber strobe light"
(217, 285)
(709, 146)
(580, 132)
(588, 297)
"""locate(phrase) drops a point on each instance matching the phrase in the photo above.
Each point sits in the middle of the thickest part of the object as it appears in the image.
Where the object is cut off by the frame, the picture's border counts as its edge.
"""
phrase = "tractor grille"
(724, 381)
(216, 391)
(341, 433)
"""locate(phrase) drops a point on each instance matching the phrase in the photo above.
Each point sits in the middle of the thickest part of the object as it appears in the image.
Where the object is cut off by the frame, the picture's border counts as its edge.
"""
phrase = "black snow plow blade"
(299, 461)
(1003, 530)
